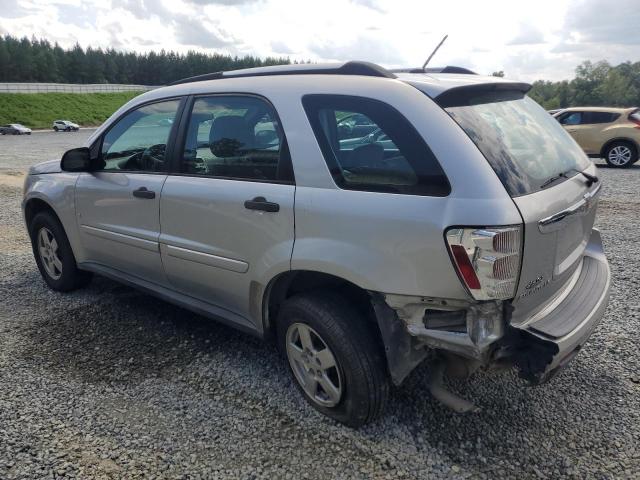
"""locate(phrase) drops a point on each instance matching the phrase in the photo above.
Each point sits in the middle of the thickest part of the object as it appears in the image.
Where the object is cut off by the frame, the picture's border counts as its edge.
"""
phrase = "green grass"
(39, 110)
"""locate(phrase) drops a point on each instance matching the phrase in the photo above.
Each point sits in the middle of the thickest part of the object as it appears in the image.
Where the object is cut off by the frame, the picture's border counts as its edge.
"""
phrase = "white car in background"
(14, 129)
(65, 126)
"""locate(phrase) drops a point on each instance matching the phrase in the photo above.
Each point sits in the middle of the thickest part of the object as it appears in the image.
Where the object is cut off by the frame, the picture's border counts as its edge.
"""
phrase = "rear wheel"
(621, 154)
(55, 128)
(334, 357)
(53, 254)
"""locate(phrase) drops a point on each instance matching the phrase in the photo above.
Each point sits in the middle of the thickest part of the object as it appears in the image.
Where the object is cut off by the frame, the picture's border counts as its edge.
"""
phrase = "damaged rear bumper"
(565, 325)
(481, 333)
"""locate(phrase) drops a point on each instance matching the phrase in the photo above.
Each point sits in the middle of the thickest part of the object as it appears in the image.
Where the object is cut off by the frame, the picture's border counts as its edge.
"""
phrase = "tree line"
(595, 84)
(34, 60)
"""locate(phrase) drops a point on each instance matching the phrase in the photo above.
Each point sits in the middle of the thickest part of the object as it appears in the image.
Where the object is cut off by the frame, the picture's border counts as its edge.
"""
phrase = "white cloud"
(547, 41)
(528, 35)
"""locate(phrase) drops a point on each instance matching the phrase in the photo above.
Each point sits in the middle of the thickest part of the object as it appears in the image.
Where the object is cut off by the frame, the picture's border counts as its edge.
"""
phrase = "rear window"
(522, 142)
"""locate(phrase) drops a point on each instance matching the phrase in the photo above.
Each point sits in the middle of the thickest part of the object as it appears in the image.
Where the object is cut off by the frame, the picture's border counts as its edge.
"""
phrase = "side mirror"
(76, 160)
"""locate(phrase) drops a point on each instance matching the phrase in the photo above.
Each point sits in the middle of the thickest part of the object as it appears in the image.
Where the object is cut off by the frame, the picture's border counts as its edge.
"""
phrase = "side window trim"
(96, 146)
(181, 139)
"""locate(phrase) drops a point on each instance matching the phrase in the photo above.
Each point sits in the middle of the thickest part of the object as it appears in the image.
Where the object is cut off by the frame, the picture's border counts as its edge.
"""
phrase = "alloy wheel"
(314, 365)
(619, 155)
(48, 250)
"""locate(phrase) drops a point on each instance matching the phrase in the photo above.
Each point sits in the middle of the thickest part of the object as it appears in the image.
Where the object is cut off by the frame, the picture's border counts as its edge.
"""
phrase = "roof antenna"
(424, 66)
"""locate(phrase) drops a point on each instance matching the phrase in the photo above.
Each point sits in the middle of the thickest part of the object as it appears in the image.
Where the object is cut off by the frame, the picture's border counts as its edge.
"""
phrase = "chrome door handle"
(142, 192)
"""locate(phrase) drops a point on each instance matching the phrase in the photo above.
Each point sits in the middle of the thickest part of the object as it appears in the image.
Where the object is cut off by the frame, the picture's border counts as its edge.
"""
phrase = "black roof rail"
(447, 69)
(367, 69)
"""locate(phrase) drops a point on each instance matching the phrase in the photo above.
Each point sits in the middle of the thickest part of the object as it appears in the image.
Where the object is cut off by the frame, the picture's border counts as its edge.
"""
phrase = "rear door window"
(370, 146)
(592, 118)
(236, 137)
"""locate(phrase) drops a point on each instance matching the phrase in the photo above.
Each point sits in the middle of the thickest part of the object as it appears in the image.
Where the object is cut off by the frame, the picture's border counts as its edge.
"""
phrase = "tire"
(62, 275)
(621, 154)
(55, 129)
(360, 371)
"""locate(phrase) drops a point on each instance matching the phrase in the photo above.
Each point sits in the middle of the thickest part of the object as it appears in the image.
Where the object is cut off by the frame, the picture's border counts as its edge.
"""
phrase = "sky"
(528, 40)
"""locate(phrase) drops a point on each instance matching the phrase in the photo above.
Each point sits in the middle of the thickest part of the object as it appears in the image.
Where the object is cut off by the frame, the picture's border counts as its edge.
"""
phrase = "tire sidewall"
(353, 406)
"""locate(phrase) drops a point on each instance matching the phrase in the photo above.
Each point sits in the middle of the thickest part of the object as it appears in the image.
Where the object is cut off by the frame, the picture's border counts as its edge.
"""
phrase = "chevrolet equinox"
(365, 220)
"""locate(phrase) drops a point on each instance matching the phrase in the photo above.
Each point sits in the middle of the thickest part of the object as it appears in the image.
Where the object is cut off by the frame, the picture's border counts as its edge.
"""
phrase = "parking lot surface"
(107, 382)
(21, 151)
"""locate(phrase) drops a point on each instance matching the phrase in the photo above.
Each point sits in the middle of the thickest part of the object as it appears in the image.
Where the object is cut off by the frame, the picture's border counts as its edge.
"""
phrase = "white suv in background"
(363, 219)
(65, 126)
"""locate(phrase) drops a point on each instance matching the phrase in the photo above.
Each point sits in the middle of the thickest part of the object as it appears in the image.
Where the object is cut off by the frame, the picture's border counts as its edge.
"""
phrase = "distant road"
(19, 152)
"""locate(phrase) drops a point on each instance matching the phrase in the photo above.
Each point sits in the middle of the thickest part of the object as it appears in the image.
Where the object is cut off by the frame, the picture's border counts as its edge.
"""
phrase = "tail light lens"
(487, 259)
(635, 118)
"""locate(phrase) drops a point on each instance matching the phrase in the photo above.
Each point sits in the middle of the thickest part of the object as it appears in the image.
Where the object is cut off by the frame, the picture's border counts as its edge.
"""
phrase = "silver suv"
(365, 220)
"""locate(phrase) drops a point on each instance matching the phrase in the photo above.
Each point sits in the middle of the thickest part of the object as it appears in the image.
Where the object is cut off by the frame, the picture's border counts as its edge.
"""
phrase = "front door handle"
(260, 203)
(142, 192)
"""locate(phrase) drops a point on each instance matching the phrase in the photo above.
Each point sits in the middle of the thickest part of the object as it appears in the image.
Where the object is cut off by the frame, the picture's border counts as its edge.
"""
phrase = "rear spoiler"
(481, 93)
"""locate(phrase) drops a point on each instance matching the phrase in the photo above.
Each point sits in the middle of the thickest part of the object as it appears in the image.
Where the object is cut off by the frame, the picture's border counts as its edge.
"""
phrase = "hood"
(50, 166)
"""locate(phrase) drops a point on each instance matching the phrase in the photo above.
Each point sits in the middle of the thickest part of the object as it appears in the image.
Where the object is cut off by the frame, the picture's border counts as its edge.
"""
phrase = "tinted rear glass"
(523, 143)
(590, 118)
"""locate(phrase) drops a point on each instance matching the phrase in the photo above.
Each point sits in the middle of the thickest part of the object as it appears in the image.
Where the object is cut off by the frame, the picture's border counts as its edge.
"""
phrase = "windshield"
(523, 143)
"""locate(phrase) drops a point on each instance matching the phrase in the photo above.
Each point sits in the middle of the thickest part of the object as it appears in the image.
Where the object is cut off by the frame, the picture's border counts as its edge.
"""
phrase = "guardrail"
(71, 88)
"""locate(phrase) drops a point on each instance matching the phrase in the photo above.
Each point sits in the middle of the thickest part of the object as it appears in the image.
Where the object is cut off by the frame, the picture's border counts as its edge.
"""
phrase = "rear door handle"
(260, 203)
(142, 192)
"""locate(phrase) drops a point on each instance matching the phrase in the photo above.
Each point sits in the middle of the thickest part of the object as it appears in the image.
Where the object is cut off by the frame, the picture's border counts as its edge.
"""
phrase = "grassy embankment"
(39, 110)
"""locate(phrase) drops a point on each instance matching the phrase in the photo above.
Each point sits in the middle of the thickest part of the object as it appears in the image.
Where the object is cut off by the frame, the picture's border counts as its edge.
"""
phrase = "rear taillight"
(487, 259)
(635, 118)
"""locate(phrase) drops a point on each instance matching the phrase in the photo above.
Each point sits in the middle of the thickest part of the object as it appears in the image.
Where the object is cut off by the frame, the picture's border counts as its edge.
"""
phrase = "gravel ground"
(110, 383)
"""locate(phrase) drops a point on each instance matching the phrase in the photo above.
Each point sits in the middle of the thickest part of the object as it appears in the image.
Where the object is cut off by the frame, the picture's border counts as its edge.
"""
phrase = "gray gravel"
(110, 383)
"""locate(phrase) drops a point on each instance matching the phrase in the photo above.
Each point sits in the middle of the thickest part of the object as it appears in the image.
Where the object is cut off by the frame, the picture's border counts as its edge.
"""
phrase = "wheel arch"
(292, 282)
(35, 205)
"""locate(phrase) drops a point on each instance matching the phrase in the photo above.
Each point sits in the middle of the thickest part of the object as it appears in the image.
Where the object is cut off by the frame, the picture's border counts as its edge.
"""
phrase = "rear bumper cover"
(538, 347)
(566, 324)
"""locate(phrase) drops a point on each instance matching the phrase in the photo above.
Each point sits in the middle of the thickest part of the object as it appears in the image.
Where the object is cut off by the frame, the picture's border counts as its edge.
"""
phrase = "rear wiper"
(591, 179)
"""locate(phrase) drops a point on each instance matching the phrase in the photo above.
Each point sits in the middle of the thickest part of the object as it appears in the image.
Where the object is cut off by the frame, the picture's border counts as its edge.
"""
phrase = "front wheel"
(334, 356)
(53, 254)
(621, 154)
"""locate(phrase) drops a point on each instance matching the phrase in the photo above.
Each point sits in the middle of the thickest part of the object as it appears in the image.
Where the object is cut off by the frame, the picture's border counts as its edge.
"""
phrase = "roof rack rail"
(447, 69)
(367, 69)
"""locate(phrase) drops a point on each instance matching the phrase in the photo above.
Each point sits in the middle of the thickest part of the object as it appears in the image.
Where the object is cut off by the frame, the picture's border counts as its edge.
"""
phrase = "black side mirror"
(76, 160)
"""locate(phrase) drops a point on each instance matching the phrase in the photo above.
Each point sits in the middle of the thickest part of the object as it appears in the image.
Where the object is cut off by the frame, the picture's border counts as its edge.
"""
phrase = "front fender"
(57, 190)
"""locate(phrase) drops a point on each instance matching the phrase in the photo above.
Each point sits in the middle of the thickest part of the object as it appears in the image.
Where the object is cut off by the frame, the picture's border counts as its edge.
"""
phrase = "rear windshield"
(523, 143)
